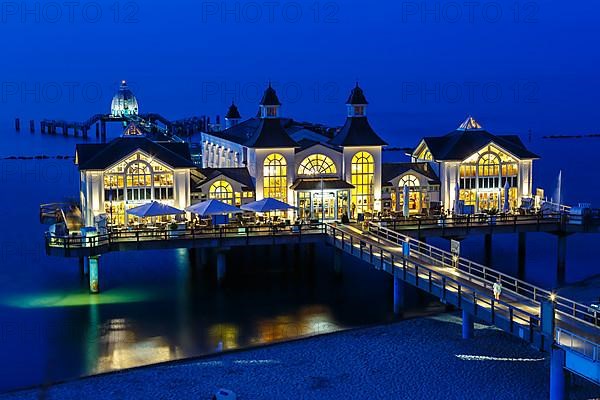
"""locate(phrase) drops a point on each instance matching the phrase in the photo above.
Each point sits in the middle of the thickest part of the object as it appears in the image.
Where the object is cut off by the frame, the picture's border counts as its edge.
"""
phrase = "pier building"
(480, 165)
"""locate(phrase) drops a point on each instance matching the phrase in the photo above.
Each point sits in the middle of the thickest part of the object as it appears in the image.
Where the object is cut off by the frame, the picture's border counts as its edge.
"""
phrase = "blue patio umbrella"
(266, 205)
(506, 207)
(154, 209)
(212, 207)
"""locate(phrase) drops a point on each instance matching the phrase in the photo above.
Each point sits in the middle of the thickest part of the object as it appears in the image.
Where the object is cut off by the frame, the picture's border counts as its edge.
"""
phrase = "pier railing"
(475, 221)
(563, 306)
(143, 235)
(579, 344)
(449, 287)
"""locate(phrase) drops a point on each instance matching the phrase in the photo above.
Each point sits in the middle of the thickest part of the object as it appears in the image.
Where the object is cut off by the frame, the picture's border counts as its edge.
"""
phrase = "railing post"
(351, 245)
(510, 319)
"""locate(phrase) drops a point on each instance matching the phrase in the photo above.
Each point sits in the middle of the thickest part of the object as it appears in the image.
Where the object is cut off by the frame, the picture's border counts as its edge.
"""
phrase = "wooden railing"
(563, 306)
(141, 235)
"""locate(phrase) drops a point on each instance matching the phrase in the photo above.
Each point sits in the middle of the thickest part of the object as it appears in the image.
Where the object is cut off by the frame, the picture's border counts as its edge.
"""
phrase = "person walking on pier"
(497, 289)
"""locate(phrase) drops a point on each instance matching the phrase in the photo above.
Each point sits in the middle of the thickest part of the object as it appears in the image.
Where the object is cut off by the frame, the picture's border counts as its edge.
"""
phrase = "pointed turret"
(232, 117)
(357, 131)
(270, 104)
(357, 103)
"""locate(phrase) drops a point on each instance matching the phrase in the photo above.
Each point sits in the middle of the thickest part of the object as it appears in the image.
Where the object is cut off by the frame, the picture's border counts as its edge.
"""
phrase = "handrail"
(475, 221)
(423, 273)
(432, 276)
(141, 235)
(578, 344)
(563, 306)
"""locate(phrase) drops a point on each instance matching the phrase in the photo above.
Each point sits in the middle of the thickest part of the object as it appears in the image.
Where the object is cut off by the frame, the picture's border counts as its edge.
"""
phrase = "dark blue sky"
(424, 65)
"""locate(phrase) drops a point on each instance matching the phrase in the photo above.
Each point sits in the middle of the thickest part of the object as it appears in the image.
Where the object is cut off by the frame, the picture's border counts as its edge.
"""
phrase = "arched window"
(317, 164)
(275, 177)
(409, 180)
(489, 164)
(363, 177)
(221, 190)
(139, 174)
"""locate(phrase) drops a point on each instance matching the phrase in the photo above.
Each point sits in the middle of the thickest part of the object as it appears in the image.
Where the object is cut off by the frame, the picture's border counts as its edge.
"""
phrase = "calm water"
(155, 307)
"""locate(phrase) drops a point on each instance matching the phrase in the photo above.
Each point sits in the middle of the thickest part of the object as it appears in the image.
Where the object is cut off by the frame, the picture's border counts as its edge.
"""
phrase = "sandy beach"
(423, 358)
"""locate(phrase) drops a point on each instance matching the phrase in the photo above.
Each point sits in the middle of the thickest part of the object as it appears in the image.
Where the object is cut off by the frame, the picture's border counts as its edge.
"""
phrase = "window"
(275, 177)
(409, 180)
(317, 164)
(363, 176)
(425, 154)
(221, 190)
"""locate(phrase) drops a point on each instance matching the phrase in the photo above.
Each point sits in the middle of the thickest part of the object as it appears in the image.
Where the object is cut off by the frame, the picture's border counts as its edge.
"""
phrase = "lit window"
(275, 177)
(363, 176)
(221, 190)
(317, 164)
(409, 180)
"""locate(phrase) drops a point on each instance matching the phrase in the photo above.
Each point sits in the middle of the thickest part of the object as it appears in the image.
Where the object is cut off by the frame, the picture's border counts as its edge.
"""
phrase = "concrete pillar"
(221, 266)
(467, 325)
(488, 249)
(558, 387)
(522, 253)
(93, 263)
(399, 293)
(561, 266)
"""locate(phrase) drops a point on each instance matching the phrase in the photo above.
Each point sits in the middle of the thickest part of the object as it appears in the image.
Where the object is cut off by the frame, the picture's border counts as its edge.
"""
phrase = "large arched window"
(363, 177)
(317, 164)
(409, 180)
(138, 178)
(221, 190)
(275, 177)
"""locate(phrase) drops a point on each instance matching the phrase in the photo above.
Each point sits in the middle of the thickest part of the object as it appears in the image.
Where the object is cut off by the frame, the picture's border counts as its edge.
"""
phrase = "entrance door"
(488, 201)
(328, 204)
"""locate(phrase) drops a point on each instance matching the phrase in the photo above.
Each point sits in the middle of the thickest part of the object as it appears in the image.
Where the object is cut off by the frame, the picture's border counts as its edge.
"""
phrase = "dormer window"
(357, 110)
(270, 111)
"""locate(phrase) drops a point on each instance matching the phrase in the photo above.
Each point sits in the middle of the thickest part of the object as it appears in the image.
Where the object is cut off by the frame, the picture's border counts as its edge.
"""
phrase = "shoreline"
(425, 354)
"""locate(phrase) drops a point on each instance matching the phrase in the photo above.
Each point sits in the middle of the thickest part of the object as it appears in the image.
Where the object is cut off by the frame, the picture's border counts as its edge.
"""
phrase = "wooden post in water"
(97, 130)
(17, 125)
(32, 126)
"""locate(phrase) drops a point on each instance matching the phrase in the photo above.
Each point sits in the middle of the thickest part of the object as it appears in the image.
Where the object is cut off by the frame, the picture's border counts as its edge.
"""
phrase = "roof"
(101, 156)
(357, 96)
(357, 132)
(469, 138)
(240, 175)
(270, 97)
(389, 171)
(307, 143)
(461, 144)
(315, 184)
(233, 112)
(270, 134)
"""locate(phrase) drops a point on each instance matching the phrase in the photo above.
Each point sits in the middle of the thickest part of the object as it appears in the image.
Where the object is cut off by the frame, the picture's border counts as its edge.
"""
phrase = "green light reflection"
(76, 299)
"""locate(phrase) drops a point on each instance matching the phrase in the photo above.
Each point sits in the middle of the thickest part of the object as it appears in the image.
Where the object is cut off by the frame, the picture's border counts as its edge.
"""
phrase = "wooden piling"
(17, 125)
(31, 126)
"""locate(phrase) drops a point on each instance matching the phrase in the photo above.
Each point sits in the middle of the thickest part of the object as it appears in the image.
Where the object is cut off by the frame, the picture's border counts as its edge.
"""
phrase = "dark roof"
(270, 133)
(102, 156)
(233, 112)
(307, 143)
(357, 96)
(270, 97)
(240, 175)
(315, 184)
(357, 132)
(390, 171)
(460, 144)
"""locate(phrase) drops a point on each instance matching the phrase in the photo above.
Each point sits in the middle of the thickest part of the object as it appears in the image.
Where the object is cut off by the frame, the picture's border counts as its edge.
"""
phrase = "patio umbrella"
(212, 207)
(154, 209)
(267, 204)
(506, 207)
(457, 199)
(405, 206)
